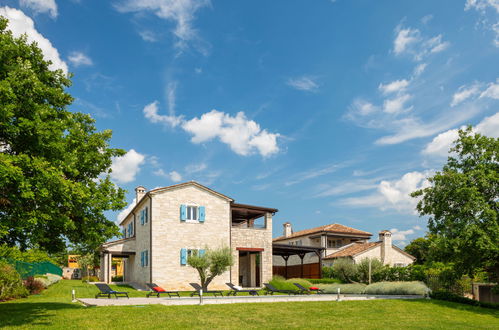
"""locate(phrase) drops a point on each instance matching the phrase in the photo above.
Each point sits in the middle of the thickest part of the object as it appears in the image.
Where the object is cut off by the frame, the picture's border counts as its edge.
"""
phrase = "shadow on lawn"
(458, 306)
(32, 313)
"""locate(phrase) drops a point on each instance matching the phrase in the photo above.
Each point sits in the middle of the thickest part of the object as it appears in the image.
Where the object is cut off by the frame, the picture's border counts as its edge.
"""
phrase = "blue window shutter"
(201, 213)
(183, 256)
(146, 214)
(142, 259)
(183, 212)
(141, 217)
(146, 258)
(201, 252)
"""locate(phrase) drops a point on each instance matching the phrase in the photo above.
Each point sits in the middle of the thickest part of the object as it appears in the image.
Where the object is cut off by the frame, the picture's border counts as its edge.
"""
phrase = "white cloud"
(315, 172)
(394, 86)
(417, 228)
(492, 91)
(361, 108)
(125, 168)
(400, 235)
(151, 113)
(441, 144)
(419, 69)
(304, 83)
(426, 19)
(123, 213)
(482, 6)
(19, 24)
(404, 39)
(410, 41)
(80, 59)
(173, 175)
(393, 194)
(346, 188)
(147, 35)
(41, 6)
(195, 168)
(181, 12)
(464, 93)
(243, 136)
(397, 104)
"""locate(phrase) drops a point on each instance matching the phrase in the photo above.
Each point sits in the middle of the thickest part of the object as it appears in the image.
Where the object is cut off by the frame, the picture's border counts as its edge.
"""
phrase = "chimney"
(139, 193)
(385, 236)
(288, 230)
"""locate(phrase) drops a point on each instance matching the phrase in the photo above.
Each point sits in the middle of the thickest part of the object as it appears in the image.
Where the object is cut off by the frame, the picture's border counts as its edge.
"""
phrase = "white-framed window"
(192, 212)
(334, 243)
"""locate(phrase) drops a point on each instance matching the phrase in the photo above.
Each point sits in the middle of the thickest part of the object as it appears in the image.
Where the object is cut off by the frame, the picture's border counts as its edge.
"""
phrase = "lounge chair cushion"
(158, 289)
(238, 287)
(314, 288)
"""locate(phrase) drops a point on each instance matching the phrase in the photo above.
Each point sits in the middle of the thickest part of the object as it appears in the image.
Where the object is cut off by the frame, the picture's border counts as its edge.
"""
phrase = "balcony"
(250, 217)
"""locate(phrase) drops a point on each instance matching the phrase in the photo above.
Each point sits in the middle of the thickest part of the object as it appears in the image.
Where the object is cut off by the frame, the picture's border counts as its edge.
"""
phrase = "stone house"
(338, 241)
(169, 224)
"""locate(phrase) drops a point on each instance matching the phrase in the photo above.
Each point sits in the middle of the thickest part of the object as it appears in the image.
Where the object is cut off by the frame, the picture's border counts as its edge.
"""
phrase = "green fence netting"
(27, 269)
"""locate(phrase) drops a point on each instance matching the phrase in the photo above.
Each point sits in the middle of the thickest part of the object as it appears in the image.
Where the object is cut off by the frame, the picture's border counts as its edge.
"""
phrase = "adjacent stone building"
(169, 224)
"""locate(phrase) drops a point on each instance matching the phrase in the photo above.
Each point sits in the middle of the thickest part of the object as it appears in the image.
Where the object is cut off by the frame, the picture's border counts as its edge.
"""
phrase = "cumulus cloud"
(151, 113)
(181, 12)
(362, 108)
(441, 144)
(492, 91)
(79, 59)
(173, 175)
(41, 6)
(404, 39)
(394, 194)
(304, 83)
(242, 135)
(125, 168)
(19, 24)
(400, 235)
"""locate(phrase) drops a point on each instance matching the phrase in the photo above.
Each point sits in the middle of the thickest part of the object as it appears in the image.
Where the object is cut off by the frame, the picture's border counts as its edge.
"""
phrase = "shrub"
(34, 285)
(48, 280)
(11, 285)
(280, 283)
(449, 296)
(357, 288)
(90, 279)
(327, 272)
(363, 269)
(403, 288)
(117, 278)
(324, 280)
(345, 269)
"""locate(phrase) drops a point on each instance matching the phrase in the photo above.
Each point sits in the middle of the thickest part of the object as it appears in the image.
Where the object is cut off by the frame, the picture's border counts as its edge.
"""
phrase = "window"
(144, 258)
(124, 232)
(299, 243)
(130, 229)
(192, 213)
(334, 243)
(144, 215)
(185, 254)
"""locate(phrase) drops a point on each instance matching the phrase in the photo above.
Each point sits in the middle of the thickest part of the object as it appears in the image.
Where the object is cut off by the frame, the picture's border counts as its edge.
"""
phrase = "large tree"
(462, 203)
(54, 164)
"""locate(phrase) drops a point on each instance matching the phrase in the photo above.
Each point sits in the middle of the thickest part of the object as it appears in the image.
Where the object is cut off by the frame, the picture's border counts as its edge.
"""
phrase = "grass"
(53, 309)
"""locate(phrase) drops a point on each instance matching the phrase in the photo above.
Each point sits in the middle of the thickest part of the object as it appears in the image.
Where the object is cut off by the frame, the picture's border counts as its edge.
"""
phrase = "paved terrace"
(230, 300)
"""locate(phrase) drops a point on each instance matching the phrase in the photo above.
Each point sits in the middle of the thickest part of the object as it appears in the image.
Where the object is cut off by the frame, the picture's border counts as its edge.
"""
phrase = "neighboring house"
(383, 250)
(339, 241)
(169, 224)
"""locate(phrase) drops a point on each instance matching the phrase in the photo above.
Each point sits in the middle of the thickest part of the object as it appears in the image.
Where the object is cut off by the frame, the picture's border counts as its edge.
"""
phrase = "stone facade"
(164, 235)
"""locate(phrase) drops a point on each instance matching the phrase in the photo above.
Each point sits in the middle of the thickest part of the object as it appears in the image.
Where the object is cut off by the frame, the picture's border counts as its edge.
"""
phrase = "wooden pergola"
(286, 251)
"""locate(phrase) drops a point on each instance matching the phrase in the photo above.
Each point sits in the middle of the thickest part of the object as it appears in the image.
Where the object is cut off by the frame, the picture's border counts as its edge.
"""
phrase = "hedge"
(356, 288)
(449, 296)
(280, 283)
(324, 280)
(397, 288)
(11, 285)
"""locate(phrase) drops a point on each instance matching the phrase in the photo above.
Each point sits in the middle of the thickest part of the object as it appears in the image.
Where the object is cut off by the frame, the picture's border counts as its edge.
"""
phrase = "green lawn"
(53, 309)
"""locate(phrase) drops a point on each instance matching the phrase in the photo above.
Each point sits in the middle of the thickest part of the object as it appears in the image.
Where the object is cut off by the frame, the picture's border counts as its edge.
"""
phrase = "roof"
(334, 228)
(352, 250)
(253, 207)
(175, 186)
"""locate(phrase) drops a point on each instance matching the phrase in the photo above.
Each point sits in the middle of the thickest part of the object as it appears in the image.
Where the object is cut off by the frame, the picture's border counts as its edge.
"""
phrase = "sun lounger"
(271, 290)
(105, 290)
(304, 290)
(157, 291)
(235, 290)
(198, 288)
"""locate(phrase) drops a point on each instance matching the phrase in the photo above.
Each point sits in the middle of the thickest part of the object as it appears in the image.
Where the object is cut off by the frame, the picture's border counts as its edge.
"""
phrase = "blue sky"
(330, 111)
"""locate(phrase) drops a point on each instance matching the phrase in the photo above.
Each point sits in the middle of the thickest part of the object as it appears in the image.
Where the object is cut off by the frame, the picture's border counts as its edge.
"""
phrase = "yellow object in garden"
(73, 261)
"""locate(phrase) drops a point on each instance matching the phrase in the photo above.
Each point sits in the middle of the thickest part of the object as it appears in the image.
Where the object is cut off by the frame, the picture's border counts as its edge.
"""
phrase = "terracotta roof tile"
(332, 228)
(352, 250)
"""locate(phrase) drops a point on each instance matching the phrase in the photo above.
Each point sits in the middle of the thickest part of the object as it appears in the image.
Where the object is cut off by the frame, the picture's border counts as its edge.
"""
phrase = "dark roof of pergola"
(291, 250)
(244, 212)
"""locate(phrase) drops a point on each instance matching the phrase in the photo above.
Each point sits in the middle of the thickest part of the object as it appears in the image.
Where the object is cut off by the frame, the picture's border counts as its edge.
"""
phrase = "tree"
(345, 270)
(365, 272)
(54, 165)
(213, 263)
(420, 249)
(462, 203)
